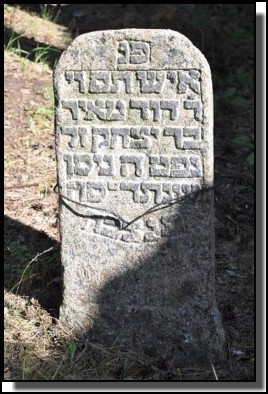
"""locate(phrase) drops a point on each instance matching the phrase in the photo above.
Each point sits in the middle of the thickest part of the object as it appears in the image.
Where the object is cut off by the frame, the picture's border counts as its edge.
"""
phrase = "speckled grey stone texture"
(134, 130)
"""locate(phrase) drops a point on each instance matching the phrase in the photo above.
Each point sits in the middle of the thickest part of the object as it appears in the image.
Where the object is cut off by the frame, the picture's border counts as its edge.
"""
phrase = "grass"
(37, 347)
(40, 54)
(47, 13)
(13, 45)
(30, 336)
(39, 118)
(48, 352)
(49, 95)
(19, 252)
(24, 270)
(8, 163)
(247, 142)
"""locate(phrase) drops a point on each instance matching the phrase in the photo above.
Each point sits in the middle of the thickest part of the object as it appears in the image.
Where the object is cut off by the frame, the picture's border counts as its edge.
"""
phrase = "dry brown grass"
(38, 348)
(34, 342)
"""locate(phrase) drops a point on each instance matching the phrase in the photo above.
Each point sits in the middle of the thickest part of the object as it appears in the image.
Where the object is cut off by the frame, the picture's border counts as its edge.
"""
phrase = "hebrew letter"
(139, 138)
(179, 166)
(172, 76)
(168, 225)
(69, 76)
(195, 188)
(151, 81)
(171, 106)
(72, 105)
(185, 189)
(143, 106)
(189, 79)
(96, 110)
(96, 191)
(156, 132)
(69, 164)
(82, 164)
(106, 164)
(133, 187)
(121, 132)
(116, 110)
(74, 132)
(82, 104)
(155, 233)
(155, 106)
(125, 78)
(123, 49)
(76, 191)
(82, 131)
(176, 188)
(195, 134)
(106, 228)
(153, 187)
(167, 188)
(136, 160)
(100, 81)
(159, 166)
(133, 233)
(196, 106)
(175, 132)
(71, 131)
(79, 76)
(195, 168)
(139, 52)
(100, 137)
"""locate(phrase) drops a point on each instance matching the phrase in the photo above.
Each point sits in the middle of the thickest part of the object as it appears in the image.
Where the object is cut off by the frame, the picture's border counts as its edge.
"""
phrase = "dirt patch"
(224, 34)
(37, 29)
(29, 141)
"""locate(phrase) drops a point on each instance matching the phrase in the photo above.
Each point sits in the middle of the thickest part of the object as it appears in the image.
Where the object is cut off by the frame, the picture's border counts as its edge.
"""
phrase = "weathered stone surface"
(134, 130)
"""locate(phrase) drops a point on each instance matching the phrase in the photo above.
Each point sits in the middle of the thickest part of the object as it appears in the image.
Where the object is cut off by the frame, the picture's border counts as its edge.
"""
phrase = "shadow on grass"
(24, 47)
(25, 273)
(91, 17)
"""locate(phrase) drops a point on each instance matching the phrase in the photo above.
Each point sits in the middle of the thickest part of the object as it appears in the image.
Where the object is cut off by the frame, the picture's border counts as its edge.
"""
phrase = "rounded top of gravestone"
(162, 49)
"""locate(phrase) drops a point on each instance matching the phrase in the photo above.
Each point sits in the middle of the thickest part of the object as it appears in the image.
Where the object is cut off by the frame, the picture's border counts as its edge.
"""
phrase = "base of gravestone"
(147, 300)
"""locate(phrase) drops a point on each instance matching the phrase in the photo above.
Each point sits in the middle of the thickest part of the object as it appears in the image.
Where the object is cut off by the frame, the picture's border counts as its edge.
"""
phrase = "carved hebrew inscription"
(130, 134)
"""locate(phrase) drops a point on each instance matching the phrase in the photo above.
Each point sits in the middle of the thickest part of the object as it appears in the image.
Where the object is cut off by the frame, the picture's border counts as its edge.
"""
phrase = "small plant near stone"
(230, 96)
(49, 96)
(37, 116)
(19, 254)
(72, 348)
(48, 14)
(42, 111)
(8, 163)
(13, 45)
(42, 53)
(32, 127)
(46, 112)
(247, 142)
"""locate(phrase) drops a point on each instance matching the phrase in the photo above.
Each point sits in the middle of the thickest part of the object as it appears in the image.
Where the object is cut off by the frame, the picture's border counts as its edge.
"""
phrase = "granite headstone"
(134, 145)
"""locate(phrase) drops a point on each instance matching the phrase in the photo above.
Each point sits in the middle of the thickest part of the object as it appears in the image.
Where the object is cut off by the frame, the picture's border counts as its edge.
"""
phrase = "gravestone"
(134, 145)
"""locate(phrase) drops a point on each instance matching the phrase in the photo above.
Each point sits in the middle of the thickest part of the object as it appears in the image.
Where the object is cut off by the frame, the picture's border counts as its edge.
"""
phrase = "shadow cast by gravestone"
(35, 51)
(22, 244)
(92, 17)
(163, 306)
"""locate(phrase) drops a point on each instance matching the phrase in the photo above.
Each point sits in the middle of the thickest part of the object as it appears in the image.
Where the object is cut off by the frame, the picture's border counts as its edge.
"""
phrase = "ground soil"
(31, 212)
